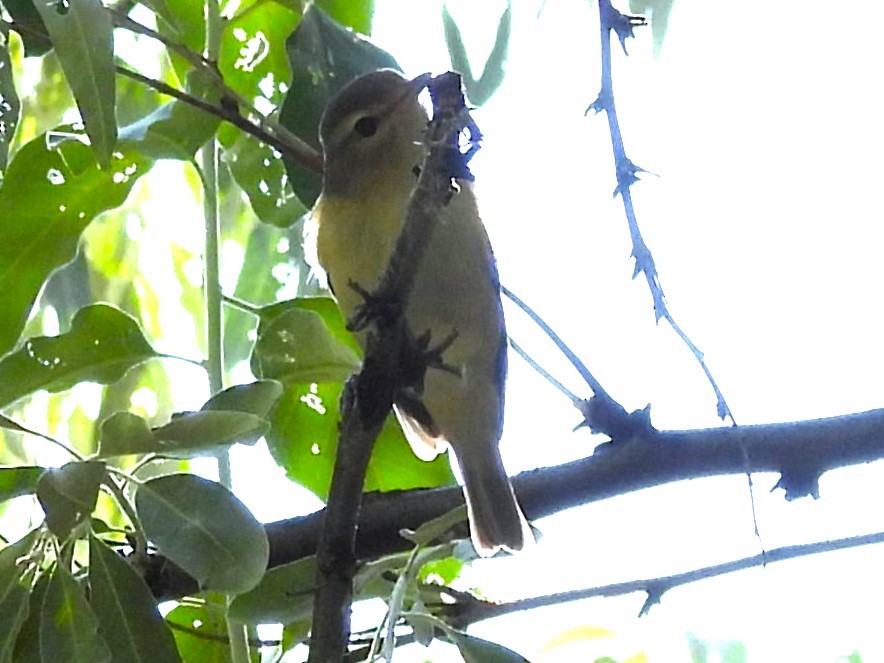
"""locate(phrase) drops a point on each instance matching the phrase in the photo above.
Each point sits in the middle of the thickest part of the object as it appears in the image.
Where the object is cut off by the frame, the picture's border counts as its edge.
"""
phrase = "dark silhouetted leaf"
(29, 25)
(16, 579)
(68, 494)
(9, 104)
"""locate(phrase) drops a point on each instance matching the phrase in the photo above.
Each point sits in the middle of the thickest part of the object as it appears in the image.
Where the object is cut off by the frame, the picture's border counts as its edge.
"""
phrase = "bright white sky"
(766, 224)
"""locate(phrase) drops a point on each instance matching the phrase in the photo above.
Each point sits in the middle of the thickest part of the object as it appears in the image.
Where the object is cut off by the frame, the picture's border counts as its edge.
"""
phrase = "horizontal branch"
(799, 451)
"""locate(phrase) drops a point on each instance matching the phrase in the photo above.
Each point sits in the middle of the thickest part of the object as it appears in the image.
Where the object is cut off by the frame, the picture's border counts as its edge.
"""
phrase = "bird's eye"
(366, 126)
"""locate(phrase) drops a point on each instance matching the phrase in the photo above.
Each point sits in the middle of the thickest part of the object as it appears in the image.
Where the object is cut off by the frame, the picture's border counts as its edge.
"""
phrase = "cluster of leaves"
(74, 152)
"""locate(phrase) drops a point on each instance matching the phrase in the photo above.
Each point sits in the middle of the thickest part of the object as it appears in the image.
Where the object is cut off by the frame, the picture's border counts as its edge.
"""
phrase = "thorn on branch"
(602, 414)
(622, 24)
(799, 482)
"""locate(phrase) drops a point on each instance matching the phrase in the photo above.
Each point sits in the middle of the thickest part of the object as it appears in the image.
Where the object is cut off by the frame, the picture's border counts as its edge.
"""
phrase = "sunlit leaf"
(49, 195)
(102, 344)
(205, 529)
(68, 494)
(29, 25)
(253, 57)
(9, 104)
(15, 481)
(202, 632)
(284, 595)
(577, 634)
(68, 627)
(303, 439)
(129, 619)
(323, 56)
(15, 589)
(82, 35)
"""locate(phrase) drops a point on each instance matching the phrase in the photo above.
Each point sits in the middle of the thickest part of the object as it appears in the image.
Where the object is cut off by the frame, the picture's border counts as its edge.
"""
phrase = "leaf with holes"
(102, 344)
(9, 104)
(52, 190)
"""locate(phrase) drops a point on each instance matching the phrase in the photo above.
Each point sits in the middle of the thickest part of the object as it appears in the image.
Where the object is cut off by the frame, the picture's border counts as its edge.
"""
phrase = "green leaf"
(657, 12)
(68, 627)
(202, 632)
(260, 172)
(237, 414)
(68, 494)
(284, 595)
(15, 589)
(15, 481)
(479, 91)
(355, 14)
(50, 193)
(298, 346)
(175, 130)
(205, 529)
(27, 646)
(253, 59)
(477, 650)
(256, 398)
(323, 56)
(82, 34)
(10, 106)
(102, 344)
(303, 439)
(29, 26)
(129, 619)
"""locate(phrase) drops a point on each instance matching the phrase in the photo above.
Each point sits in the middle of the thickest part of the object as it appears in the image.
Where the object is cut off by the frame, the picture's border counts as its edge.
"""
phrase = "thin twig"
(543, 372)
(627, 174)
(656, 587)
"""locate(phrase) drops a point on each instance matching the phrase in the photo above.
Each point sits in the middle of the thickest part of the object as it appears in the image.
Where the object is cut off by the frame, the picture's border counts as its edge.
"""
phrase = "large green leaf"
(102, 344)
(68, 494)
(82, 34)
(205, 529)
(52, 190)
(15, 589)
(303, 439)
(68, 627)
(15, 481)
(129, 620)
(323, 56)
(9, 104)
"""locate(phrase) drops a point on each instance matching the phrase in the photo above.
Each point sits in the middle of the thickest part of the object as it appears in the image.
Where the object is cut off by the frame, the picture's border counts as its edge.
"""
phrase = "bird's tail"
(496, 521)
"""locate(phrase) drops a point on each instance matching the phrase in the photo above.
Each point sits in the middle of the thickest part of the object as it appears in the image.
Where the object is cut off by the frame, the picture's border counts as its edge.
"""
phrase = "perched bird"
(371, 134)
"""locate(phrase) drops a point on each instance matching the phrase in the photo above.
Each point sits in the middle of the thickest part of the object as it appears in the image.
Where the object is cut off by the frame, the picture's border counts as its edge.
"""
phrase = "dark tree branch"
(627, 174)
(392, 363)
(796, 451)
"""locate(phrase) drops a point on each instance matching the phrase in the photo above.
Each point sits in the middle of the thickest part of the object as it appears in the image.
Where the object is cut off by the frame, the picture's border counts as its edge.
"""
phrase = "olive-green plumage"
(371, 134)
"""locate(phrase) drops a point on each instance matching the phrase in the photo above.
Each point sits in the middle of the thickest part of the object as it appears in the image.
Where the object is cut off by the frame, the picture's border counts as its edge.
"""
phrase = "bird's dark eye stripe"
(366, 126)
